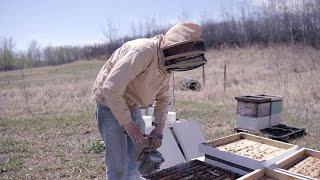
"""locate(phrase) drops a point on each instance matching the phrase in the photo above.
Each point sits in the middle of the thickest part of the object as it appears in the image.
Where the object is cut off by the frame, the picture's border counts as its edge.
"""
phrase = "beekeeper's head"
(182, 48)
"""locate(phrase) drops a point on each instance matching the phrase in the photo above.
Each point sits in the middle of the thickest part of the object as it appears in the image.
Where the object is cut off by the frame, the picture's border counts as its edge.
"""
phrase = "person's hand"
(134, 133)
(156, 138)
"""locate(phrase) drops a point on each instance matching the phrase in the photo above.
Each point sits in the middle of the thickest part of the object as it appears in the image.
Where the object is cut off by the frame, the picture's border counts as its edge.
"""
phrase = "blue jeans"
(120, 150)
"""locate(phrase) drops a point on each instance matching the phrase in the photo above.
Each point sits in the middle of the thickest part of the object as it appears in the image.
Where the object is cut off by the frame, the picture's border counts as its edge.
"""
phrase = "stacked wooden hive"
(258, 112)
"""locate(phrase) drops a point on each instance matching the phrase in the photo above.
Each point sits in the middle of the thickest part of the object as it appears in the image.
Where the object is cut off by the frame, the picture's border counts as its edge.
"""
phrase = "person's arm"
(160, 113)
(115, 84)
(125, 70)
(162, 103)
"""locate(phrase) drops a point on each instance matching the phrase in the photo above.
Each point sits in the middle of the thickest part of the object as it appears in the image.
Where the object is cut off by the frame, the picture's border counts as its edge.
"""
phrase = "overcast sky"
(79, 22)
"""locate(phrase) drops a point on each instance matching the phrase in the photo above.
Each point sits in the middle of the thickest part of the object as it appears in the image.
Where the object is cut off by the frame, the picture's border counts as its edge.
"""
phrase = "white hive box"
(252, 123)
(149, 111)
(245, 151)
(171, 118)
(147, 121)
(143, 111)
(228, 166)
(170, 150)
(189, 136)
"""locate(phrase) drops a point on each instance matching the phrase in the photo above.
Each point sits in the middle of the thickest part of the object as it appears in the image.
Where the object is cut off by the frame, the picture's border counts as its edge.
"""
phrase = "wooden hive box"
(253, 106)
(246, 152)
(266, 173)
(258, 112)
(276, 105)
(305, 163)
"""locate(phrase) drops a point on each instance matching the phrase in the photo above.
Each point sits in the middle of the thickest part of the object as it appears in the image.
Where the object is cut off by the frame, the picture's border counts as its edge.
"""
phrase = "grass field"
(48, 130)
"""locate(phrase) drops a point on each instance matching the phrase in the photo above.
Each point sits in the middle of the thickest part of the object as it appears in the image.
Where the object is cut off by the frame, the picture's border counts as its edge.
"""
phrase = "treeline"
(35, 56)
(275, 21)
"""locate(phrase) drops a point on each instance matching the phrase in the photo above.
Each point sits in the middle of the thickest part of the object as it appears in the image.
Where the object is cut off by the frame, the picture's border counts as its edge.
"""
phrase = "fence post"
(203, 77)
(25, 93)
(225, 78)
(173, 98)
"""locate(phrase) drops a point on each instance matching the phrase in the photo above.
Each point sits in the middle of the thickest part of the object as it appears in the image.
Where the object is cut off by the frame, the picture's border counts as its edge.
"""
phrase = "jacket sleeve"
(125, 69)
(162, 103)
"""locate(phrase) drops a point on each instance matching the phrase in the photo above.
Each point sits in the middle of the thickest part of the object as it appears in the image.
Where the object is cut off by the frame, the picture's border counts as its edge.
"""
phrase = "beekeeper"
(135, 75)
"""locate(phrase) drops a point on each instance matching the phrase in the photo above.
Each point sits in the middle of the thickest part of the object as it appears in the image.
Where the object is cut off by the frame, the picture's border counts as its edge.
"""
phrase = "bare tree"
(7, 59)
(140, 29)
(110, 31)
(34, 53)
(111, 36)
(133, 30)
(48, 55)
(150, 26)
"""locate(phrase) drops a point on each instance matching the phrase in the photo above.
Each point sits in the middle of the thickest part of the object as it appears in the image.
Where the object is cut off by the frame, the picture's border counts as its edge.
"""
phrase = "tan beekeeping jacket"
(134, 75)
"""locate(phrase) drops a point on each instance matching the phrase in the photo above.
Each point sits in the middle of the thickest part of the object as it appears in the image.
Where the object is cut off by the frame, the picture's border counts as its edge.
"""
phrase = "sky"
(81, 22)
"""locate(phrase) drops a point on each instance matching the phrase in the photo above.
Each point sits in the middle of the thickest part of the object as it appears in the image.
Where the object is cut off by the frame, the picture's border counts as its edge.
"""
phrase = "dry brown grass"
(292, 72)
(57, 139)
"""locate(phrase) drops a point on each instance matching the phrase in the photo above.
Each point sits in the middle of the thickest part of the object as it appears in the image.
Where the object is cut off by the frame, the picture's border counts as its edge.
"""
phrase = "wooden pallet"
(279, 132)
(283, 132)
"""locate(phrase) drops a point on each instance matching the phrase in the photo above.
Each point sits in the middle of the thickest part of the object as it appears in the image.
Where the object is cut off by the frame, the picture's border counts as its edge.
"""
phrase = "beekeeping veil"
(182, 48)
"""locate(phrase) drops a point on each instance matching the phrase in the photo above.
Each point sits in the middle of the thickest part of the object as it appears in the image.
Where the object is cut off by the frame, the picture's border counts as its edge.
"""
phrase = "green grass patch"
(216, 120)
(9, 145)
(97, 146)
(13, 164)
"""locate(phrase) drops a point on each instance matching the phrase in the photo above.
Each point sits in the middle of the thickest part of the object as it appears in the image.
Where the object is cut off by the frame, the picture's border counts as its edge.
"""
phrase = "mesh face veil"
(185, 56)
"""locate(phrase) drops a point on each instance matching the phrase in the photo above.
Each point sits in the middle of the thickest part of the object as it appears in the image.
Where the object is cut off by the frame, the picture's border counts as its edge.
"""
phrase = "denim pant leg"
(115, 141)
(120, 150)
(133, 172)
